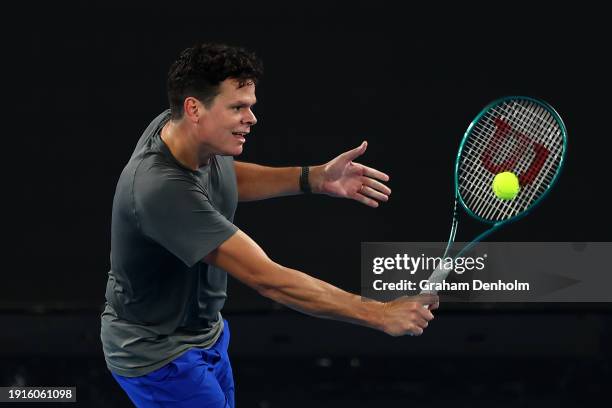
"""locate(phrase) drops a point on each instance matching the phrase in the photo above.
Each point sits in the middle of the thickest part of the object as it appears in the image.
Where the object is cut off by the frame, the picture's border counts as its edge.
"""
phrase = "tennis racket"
(515, 134)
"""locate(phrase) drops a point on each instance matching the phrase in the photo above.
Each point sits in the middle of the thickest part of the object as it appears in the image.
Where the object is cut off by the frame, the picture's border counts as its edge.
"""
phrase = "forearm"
(241, 257)
(257, 182)
(315, 297)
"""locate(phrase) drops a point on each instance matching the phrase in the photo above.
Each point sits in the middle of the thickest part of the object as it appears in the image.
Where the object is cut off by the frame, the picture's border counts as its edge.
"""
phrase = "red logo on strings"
(503, 131)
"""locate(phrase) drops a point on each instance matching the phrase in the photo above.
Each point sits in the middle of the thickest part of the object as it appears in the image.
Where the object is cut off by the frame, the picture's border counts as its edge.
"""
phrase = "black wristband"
(304, 184)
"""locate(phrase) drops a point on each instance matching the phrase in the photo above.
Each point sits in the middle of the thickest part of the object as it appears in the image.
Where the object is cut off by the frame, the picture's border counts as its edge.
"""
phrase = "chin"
(233, 152)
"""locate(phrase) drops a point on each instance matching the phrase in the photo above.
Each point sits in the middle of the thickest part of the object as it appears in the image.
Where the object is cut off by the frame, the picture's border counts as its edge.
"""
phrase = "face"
(222, 128)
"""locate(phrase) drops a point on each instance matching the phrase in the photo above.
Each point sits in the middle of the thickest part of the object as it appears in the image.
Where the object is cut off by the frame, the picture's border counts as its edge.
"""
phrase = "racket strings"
(480, 196)
(497, 209)
(551, 139)
(486, 128)
(493, 203)
(520, 135)
(542, 128)
(501, 152)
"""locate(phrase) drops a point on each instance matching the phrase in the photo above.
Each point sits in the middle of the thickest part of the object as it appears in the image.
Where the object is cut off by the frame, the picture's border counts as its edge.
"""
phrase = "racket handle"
(437, 276)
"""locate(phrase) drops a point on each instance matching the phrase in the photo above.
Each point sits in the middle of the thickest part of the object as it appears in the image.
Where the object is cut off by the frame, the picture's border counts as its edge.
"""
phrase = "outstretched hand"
(342, 177)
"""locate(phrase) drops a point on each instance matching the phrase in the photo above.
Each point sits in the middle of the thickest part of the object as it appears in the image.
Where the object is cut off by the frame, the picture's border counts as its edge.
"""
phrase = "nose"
(249, 118)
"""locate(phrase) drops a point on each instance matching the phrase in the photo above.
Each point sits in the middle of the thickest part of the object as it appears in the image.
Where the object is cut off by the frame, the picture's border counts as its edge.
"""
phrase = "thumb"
(356, 152)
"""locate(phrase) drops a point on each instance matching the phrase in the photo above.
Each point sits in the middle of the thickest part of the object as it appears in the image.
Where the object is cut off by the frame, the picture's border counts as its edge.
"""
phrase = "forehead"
(230, 89)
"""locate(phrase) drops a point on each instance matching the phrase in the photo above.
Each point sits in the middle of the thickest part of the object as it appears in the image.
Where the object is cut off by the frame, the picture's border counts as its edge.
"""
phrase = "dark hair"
(200, 69)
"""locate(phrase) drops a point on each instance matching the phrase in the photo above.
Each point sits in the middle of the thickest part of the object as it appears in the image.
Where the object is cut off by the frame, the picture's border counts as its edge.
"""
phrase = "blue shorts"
(198, 378)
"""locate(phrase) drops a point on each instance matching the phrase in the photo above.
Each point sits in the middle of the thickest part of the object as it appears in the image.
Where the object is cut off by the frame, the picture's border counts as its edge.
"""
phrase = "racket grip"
(437, 276)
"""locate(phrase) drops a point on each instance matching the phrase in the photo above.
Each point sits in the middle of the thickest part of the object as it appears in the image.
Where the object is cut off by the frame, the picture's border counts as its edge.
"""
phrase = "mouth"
(240, 136)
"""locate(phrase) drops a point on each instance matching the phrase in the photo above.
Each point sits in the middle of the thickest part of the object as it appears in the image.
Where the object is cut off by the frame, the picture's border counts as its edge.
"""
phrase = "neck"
(183, 145)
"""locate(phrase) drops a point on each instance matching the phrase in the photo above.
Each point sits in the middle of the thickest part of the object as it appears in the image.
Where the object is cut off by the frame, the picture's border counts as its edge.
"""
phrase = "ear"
(193, 109)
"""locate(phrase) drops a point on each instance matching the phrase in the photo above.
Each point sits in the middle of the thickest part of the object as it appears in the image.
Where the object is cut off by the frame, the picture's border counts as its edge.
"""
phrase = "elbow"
(267, 280)
(267, 292)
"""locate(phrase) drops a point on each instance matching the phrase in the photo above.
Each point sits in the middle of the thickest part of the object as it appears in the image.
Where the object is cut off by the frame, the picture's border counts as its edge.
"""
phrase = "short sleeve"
(173, 210)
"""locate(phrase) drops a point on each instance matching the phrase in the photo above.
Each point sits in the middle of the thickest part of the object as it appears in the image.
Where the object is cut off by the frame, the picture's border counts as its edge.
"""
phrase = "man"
(173, 241)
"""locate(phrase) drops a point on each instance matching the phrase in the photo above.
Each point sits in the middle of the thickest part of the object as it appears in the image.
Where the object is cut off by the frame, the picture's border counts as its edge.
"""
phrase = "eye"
(236, 108)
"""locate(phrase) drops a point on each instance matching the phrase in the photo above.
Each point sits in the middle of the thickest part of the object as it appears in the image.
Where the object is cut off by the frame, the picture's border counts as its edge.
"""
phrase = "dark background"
(83, 83)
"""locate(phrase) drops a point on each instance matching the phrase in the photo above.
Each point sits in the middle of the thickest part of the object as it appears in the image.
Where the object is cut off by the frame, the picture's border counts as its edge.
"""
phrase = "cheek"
(235, 119)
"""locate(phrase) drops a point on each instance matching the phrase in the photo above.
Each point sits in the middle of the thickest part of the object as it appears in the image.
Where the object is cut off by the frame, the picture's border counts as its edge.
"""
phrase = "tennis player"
(173, 240)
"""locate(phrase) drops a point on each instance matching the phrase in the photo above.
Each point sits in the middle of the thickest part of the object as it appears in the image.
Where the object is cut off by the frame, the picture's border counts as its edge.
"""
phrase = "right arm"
(242, 258)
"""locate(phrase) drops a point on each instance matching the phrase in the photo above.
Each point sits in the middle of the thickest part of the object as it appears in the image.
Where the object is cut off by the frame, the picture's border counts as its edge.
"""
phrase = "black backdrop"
(85, 82)
(82, 83)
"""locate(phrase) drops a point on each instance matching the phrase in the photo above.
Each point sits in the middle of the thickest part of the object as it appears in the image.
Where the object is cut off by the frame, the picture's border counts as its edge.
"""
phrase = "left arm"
(257, 182)
(341, 177)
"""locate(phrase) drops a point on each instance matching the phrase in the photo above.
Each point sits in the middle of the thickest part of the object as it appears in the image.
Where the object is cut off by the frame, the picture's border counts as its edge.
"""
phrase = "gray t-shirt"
(161, 299)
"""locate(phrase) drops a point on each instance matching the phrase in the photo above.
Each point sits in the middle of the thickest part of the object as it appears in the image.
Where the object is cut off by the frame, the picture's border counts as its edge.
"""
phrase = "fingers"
(417, 331)
(378, 186)
(406, 315)
(372, 189)
(422, 323)
(426, 314)
(365, 200)
(371, 192)
(427, 299)
(378, 190)
(418, 326)
(373, 173)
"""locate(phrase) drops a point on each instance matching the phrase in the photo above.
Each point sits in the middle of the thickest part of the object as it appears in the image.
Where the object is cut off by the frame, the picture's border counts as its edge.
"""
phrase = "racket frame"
(458, 198)
(497, 224)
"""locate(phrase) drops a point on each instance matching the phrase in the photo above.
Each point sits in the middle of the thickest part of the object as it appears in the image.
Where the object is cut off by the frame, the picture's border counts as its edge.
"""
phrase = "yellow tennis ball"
(506, 185)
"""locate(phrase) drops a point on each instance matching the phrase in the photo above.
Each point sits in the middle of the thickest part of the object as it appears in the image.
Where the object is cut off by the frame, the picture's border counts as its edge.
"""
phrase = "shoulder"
(153, 128)
(156, 177)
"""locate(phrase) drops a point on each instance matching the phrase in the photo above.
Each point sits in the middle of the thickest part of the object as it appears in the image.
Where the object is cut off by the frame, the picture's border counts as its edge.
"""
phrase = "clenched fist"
(408, 314)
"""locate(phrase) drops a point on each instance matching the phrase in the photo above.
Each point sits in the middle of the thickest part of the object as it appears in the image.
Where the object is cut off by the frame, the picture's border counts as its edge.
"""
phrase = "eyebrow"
(243, 103)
